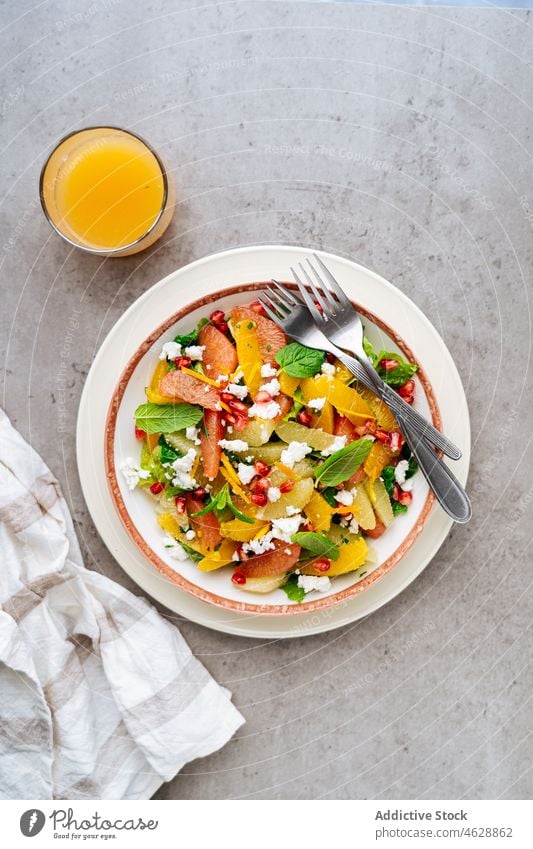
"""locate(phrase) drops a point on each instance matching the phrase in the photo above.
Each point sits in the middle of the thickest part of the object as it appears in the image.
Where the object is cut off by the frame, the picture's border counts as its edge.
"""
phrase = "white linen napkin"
(100, 696)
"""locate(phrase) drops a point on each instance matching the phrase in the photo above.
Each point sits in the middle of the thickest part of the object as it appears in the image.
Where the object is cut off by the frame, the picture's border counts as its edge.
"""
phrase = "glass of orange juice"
(105, 190)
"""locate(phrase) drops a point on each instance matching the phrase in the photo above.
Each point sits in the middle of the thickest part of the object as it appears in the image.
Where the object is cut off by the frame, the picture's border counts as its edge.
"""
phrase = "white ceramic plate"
(203, 278)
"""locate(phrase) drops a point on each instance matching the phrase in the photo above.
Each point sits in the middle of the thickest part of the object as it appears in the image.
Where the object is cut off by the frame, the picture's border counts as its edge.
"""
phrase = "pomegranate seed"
(240, 422)
(217, 316)
(238, 406)
(259, 498)
(322, 565)
(139, 434)
(330, 358)
(183, 362)
(227, 397)
(286, 486)
(261, 468)
(307, 526)
(238, 578)
(263, 397)
(396, 492)
(389, 365)
(223, 327)
(258, 308)
(181, 503)
(405, 498)
(304, 418)
(383, 436)
(200, 493)
(260, 484)
(407, 389)
(395, 440)
(156, 488)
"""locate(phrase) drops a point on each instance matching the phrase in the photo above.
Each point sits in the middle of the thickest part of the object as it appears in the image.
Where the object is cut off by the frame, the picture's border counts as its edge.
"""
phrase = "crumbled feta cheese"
(292, 511)
(190, 534)
(245, 473)
(344, 496)
(236, 389)
(400, 471)
(222, 378)
(192, 433)
(235, 556)
(249, 458)
(259, 546)
(294, 452)
(328, 368)
(407, 485)
(338, 443)
(316, 403)
(182, 467)
(174, 549)
(309, 583)
(265, 411)
(353, 527)
(133, 472)
(195, 352)
(273, 493)
(170, 351)
(268, 370)
(283, 529)
(233, 444)
(272, 387)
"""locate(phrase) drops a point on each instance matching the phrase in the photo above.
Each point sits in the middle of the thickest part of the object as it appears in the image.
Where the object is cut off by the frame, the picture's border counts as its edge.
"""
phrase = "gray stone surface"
(400, 136)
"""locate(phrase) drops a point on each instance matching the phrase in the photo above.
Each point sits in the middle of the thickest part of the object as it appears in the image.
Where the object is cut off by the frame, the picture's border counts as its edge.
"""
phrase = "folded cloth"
(100, 696)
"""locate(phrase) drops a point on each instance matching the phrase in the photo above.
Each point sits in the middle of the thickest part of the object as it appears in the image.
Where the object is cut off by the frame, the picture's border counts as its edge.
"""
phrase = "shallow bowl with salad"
(255, 473)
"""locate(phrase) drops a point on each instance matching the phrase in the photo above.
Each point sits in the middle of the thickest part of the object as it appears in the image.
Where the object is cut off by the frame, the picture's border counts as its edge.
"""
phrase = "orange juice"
(107, 191)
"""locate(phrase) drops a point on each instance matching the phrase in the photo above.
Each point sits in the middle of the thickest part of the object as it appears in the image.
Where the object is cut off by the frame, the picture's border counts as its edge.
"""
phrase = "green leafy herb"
(329, 494)
(168, 452)
(298, 361)
(398, 508)
(412, 468)
(396, 376)
(202, 323)
(368, 348)
(292, 590)
(296, 406)
(343, 463)
(166, 418)
(317, 544)
(187, 339)
(194, 555)
(172, 491)
(219, 503)
(151, 462)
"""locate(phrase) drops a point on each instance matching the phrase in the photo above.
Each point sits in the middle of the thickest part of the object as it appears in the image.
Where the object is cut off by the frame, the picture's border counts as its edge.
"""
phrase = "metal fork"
(290, 314)
(345, 328)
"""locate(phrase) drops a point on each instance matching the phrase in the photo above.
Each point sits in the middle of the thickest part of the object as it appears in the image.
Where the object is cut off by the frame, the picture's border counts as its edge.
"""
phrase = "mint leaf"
(298, 361)
(343, 463)
(187, 339)
(292, 590)
(168, 453)
(396, 376)
(317, 544)
(329, 494)
(194, 555)
(166, 418)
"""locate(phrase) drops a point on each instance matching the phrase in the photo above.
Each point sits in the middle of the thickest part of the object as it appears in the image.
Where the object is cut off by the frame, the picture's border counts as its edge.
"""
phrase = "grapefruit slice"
(270, 337)
(220, 356)
(211, 432)
(182, 387)
(207, 527)
(278, 561)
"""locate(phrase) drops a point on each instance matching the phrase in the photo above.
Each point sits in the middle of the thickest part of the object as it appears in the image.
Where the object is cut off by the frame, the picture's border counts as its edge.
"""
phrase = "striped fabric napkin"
(100, 696)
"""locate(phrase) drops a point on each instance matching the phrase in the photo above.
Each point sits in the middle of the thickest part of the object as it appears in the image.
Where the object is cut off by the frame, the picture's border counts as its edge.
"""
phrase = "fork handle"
(418, 423)
(448, 491)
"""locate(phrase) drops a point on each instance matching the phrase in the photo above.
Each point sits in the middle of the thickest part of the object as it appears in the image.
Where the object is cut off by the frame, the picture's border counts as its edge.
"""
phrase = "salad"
(266, 458)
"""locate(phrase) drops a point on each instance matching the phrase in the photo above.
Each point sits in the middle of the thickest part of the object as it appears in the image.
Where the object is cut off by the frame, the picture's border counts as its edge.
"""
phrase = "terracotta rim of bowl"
(179, 580)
